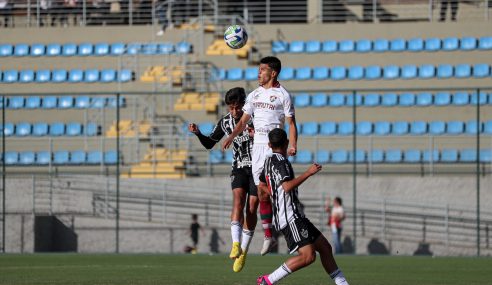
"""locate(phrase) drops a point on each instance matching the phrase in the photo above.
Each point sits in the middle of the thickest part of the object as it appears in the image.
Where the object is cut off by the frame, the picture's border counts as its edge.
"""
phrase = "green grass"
(203, 269)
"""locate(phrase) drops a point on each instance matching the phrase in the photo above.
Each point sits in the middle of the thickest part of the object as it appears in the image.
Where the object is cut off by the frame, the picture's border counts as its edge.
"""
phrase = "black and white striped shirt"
(286, 205)
(242, 146)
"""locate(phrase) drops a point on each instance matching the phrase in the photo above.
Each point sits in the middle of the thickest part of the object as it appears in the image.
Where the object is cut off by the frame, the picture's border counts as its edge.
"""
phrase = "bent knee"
(309, 258)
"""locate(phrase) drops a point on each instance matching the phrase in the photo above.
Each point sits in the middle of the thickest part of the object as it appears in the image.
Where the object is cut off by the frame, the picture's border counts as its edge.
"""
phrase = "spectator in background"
(45, 10)
(194, 228)
(161, 14)
(444, 7)
(336, 216)
(6, 12)
(69, 7)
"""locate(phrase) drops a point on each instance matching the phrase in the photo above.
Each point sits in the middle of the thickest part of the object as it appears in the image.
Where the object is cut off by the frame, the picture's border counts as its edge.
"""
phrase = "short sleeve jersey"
(268, 107)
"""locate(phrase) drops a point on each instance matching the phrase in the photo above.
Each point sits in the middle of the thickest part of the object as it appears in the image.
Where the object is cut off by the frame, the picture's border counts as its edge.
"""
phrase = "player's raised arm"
(292, 184)
(292, 135)
(240, 127)
(207, 141)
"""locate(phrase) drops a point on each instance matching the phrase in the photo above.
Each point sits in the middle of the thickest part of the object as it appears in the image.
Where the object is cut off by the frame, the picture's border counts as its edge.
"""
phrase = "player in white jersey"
(280, 183)
(270, 105)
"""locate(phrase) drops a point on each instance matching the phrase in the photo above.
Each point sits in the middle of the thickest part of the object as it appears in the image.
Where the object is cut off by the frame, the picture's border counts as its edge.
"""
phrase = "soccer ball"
(235, 36)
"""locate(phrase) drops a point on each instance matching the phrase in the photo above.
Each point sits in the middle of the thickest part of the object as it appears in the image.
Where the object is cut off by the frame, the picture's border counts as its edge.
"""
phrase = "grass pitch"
(204, 269)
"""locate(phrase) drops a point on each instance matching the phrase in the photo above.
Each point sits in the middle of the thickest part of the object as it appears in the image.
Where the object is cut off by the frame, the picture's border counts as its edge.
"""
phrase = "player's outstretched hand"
(192, 127)
(314, 168)
(227, 143)
(292, 151)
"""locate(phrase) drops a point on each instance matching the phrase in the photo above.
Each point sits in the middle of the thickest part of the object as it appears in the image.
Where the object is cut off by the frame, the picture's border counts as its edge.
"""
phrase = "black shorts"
(300, 232)
(243, 178)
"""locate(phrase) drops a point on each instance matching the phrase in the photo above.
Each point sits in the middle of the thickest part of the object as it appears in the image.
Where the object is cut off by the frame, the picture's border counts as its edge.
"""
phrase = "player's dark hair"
(236, 95)
(339, 200)
(277, 138)
(194, 217)
(273, 62)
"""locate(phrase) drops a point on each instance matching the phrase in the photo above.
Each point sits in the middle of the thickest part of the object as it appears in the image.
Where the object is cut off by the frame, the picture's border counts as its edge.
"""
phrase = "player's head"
(194, 217)
(234, 100)
(338, 201)
(269, 69)
(278, 141)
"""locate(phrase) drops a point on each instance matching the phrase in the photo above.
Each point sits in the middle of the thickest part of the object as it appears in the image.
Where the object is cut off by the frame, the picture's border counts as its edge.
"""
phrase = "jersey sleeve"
(209, 141)
(218, 132)
(283, 171)
(248, 105)
(289, 110)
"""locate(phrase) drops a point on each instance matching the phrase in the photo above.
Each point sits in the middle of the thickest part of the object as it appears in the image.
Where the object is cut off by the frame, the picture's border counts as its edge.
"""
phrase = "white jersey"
(268, 107)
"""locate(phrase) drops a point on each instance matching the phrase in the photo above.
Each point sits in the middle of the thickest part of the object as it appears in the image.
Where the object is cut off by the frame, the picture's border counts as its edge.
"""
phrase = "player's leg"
(237, 216)
(329, 264)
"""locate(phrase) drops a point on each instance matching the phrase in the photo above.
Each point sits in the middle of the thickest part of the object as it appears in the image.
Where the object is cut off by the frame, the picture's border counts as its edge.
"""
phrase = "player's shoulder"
(278, 158)
(257, 91)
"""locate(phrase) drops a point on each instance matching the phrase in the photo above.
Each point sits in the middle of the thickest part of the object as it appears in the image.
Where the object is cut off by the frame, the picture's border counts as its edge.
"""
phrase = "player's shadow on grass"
(377, 247)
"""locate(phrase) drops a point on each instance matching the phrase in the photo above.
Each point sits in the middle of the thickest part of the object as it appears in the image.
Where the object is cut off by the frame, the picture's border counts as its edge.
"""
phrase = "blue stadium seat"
(393, 156)
(416, 44)
(33, 102)
(433, 44)
(372, 100)
(471, 127)
(382, 128)
(345, 128)
(78, 157)
(228, 158)
(117, 49)
(134, 48)
(309, 128)
(110, 157)
(481, 70)
(412, 156)
(38, 50)
(480, 99)
(389, 99)
(94, 157)
(350, 100)
(9, 129)
(327, 128)
(91, 129)
(437, 127)
(430, 156)
(296, 47)
(322, 156)
(125, 75)
(11, 157)
(6, 50)
(112, 102)
(355, 72)
(43, 157)
(424, 99)
(427, 71)
(26, 76)
(391, 72)
(59, 76)
(485, 43)
(339, 156)
(40, 129)
(217, 74)
(330, 46)
(166, 48)
(487, 128)
(321, 73)
(23, 129)
(101, 49)
(455, 128)
(303, 73)
(287, 73)
(73, 129)
(302, 100)
(319, 100)
(360, 156)
(43, 76)
(468, 43)
(338, 72)
(409, 71)
(75, 75)
(91, 75)
(397, 45)
(215, 156)
(49, 102)
(450, 44)
(381, 45)
(17, 102)
(99, 102)
(337, 100)
(461, 98)
(57, 129)
(485, 155)
(304, 157)
(65, 102)
(251, 74)
(375, 156)
(279, 47)
(86, 49)
(442, 98)
(418, 128)
(400, 128)
(61, 157)
(108, 75)
(184, 48)
(449, 155)
(407, 99)
(364, 128)
(21, 50)
(363, 45)
(10, 76)
(445, 71)
(346, 46)
(82, 102)
(150, 48)
(69, 49)
(313, 46)
(373, 72)
(206, 128)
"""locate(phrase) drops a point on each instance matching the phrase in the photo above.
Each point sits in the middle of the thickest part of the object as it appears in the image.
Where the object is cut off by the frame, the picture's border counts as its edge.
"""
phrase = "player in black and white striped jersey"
(242, 182)
(301, 235)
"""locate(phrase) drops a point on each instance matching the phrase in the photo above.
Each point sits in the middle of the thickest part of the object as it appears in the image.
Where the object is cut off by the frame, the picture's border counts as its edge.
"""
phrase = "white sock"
(246, 239)
(280, 273)
(236, 229)
(338, 277)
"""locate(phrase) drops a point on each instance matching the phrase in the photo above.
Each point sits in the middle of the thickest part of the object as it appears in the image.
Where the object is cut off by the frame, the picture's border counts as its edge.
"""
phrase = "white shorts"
(260, 153)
